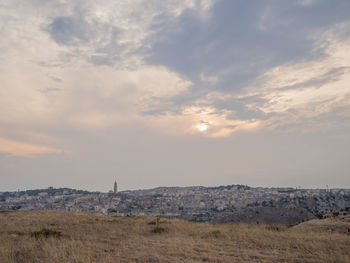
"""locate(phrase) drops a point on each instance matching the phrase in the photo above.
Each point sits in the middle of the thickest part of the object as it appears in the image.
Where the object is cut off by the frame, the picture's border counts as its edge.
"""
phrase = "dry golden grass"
(98, 238)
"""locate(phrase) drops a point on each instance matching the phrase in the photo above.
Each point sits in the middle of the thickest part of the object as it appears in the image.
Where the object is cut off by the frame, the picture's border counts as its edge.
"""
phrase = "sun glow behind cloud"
(202, 127)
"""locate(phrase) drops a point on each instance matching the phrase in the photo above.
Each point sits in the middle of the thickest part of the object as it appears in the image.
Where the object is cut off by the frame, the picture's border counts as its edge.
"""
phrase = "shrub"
(319, 215)
(157, 228)
(215, 233)
(45, 232)
(335, 213)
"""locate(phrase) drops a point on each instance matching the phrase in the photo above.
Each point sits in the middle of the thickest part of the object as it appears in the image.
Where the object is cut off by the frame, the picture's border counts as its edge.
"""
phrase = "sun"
(202, 127)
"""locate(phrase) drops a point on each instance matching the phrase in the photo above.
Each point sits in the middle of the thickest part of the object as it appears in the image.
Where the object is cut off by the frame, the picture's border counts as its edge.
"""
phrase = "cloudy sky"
(174, 93)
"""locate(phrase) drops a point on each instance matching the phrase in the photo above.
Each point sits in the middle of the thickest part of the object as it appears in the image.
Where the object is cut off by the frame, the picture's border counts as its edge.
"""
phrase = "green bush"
(319, 215)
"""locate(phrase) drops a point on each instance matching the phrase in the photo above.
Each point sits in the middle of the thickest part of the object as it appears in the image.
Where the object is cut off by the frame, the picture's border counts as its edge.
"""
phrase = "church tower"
(115, 189)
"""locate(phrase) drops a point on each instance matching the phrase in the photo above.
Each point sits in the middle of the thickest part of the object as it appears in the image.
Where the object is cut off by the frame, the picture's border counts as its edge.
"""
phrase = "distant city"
(232, 203)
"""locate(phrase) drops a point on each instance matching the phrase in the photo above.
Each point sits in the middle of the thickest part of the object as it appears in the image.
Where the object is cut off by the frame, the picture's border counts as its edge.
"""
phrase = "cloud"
(68, 30)
(117, 33)
(307, 2)
(16, 148)
(50, 90)
(114, 33)
(310, 88)
(293, 92)
(231, 45)
(188, 62)
(89, 98)
(57, 79)
(221, 73)
(208, 79)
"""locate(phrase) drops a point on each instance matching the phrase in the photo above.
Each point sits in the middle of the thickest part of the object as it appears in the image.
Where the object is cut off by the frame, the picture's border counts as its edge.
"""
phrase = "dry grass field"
(51, 236)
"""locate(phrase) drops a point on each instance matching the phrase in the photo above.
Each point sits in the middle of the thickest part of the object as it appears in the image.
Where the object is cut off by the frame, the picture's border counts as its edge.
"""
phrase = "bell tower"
(115, 189)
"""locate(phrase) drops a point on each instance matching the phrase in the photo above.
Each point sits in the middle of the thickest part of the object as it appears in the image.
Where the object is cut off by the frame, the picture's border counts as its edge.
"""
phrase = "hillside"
(232, 203)
(53, 236)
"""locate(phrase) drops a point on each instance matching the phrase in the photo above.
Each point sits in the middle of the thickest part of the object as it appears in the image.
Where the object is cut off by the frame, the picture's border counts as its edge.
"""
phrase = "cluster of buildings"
(233, 203)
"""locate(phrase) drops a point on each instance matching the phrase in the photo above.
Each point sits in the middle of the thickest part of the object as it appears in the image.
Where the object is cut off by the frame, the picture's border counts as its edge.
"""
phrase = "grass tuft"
(274, 228)
(215, 234)
(158, 230)
(16, 232)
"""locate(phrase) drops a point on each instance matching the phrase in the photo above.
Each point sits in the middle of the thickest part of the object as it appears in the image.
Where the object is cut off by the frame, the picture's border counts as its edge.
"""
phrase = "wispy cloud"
(16, 148)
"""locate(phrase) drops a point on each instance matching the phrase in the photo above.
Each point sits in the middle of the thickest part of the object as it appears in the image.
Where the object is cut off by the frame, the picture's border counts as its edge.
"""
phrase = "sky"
(174, 93)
